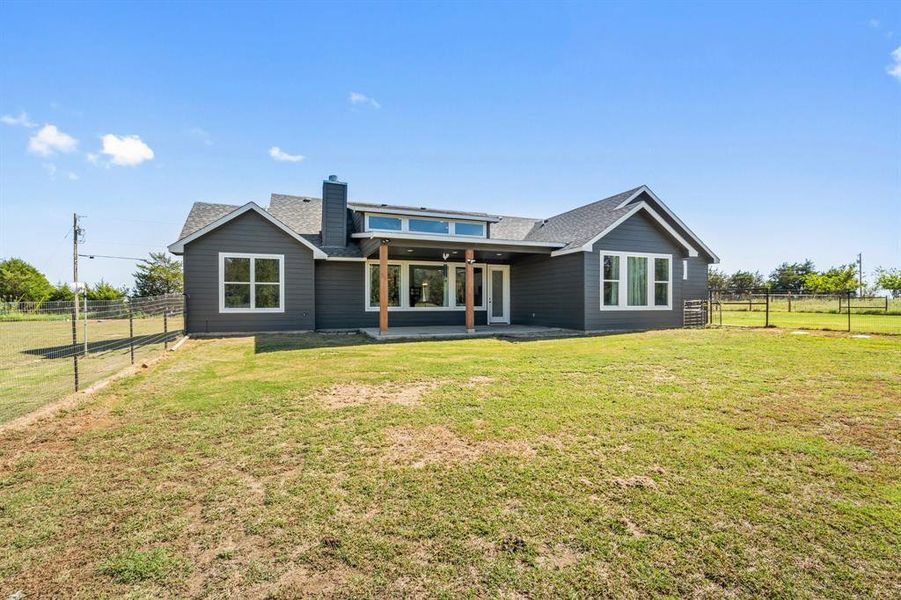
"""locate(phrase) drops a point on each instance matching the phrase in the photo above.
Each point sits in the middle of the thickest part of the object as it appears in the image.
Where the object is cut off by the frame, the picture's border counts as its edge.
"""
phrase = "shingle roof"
(303, 215)
(580, 225)
(202, 214)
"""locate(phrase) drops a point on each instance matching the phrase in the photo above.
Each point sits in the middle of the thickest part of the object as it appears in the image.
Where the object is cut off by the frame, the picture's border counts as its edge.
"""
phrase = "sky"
(772, 130)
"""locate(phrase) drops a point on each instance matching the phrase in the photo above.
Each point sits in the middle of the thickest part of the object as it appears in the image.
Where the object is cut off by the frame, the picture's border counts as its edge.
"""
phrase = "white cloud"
(202, 135)
(49, 139)
(21, 120)
(126, 150)
(282, 156)
(72, 176)
(895, 69)
(358, 99)
(92, 158)
(874, 23)
(51, 169)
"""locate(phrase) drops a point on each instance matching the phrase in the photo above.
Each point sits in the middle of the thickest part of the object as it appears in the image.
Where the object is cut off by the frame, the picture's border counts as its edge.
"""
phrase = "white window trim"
(405, 225)
(684, 269)
(623, 281)
(252, 282)
(405, 286)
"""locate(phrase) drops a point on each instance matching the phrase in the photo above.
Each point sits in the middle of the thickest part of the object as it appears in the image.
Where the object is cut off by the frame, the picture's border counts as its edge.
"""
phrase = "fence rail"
(838, 312)
(49, 349)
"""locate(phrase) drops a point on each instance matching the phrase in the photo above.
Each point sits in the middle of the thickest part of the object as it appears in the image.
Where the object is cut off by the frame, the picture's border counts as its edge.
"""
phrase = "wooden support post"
(470, 291)
(789, 301)
(767, 307)
(383, 287)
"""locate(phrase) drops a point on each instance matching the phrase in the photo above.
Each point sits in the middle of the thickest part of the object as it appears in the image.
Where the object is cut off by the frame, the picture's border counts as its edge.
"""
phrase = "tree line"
(804, 278)
(21, 281)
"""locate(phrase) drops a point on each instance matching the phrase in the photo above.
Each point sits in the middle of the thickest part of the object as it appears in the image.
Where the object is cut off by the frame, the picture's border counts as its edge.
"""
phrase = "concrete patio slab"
(453, 332)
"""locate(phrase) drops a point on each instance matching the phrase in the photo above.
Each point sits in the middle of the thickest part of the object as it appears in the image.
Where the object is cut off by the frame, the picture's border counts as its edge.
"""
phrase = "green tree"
(62, 293)
(745, 281)
(716, 279)
(789, 277)
(160, 274)
(833, 281)
(22, 282)
(105, 291)
(889, 279)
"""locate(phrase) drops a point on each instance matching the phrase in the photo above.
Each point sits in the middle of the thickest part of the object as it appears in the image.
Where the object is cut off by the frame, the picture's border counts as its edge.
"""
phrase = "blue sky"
(773, 130)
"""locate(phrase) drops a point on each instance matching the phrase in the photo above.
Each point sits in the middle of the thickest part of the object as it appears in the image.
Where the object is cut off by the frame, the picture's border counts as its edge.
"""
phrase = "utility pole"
(860, 274)
(77, 236)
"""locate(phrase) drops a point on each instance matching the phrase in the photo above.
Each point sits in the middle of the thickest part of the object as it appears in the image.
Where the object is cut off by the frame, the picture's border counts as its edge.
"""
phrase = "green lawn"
(860, 323)
(692, 463)
(36, 357)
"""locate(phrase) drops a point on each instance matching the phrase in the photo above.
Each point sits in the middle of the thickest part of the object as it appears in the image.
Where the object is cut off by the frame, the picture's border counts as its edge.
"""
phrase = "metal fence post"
(767, 298)
(85, 322)
(131, 332)
(165, 328)
(849, 311)
(75, 341)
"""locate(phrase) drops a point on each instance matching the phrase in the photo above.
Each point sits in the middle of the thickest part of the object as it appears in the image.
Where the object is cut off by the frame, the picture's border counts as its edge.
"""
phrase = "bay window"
(251, 282)
(635, 281)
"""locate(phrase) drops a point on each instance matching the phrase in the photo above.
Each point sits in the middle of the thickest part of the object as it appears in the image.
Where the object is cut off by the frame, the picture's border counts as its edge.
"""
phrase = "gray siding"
(641, 234)
(548, 291)
(247, 233)
(334, 214)
(340, 291)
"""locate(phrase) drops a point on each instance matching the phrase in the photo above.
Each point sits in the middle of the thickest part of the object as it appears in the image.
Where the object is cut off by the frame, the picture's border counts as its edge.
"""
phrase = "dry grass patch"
(342, 395)
(438, 445)
(635, 481)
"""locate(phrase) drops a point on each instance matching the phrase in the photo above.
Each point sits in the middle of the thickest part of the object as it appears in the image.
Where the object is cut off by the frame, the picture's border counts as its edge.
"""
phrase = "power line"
(105, 256)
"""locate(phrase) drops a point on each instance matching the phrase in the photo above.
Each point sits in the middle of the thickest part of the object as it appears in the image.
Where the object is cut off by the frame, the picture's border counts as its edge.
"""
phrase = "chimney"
(334, 212)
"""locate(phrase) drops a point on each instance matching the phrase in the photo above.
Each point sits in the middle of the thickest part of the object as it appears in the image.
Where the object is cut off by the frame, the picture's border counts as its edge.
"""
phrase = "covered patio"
(409, 273)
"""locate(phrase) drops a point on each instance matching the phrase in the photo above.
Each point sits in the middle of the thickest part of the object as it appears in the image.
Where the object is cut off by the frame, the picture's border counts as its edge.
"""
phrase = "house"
(624, 262)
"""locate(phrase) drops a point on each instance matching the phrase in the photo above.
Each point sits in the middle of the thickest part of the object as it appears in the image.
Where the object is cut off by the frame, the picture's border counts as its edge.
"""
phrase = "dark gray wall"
(548, 291)
(248, 233)
(641, 233)
(340, 291)
(334, 214)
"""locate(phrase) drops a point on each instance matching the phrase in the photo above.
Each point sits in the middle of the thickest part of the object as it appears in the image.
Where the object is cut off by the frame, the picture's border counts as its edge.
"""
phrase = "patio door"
(498, 294)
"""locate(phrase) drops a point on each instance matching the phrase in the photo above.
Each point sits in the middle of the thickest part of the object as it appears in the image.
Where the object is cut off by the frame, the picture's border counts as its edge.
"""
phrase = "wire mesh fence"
(836, 312)
(50, 349)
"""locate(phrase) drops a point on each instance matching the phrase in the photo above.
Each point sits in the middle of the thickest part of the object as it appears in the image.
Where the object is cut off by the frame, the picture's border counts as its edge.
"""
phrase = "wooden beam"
(470, 291)
(383, 287)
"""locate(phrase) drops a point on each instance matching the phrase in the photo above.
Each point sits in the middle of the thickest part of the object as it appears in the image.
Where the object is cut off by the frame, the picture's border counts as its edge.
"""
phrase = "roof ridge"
(584, 206)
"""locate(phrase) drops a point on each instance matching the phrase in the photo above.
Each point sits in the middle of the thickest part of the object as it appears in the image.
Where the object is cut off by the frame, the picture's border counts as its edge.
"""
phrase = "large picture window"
(428, 285)
(251, 282)
(636, 281)
(393, 285)
(424, 286)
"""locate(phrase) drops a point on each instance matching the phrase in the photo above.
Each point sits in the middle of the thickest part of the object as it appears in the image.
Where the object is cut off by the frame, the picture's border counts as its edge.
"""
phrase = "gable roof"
(179, 246)
(577, 229)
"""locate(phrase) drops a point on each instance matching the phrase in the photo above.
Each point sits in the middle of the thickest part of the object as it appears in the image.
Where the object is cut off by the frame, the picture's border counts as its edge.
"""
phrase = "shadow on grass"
(280, 342)
(98, 346)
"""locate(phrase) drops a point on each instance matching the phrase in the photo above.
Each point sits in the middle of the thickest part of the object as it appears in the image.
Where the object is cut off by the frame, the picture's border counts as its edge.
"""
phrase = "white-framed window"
(251, 282)
(424, 286)
(684, 268)
(636, 281)
(425, 225)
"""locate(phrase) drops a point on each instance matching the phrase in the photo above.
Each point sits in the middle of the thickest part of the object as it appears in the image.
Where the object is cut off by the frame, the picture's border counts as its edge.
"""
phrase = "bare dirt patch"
(439, 445)
(559, 557)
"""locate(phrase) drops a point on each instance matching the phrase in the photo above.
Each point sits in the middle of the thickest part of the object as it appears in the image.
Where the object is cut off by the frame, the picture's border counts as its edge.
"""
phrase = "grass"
(860, 323)
(676, 463)
(32, 373)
